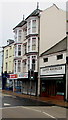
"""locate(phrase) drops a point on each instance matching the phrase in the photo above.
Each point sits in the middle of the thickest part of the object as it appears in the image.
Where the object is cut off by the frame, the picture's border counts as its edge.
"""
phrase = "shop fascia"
(22, 75)
(53, 70)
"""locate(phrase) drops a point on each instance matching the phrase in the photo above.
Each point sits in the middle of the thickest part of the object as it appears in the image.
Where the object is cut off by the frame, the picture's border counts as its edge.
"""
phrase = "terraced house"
(8, 61)
(26, 52)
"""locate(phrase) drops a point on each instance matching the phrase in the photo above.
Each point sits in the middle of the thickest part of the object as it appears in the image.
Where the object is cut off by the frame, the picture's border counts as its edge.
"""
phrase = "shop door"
(51, 87)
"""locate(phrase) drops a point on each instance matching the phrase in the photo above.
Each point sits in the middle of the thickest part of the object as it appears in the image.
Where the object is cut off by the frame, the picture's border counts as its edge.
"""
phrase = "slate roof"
(60, 46)
(34, 13)
(20, 24)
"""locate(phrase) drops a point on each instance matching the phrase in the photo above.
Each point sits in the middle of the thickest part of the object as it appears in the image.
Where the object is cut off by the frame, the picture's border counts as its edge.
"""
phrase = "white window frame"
(19, 50)
(33, 43)
(34, 26)
(19, 35)
(19, 65)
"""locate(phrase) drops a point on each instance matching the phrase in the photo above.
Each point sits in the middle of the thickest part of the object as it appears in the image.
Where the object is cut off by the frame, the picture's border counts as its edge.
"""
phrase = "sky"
(12, 11)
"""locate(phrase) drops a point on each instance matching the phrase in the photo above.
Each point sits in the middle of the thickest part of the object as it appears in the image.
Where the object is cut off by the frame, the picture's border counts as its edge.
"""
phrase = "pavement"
(60, 103)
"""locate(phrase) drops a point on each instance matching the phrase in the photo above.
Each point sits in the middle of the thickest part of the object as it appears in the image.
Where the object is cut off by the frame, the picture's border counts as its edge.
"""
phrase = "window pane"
(45, 59)
(33, 26)
(19, 50)
(59, 56)
(28, 44)
(19, 65)
(33, 43)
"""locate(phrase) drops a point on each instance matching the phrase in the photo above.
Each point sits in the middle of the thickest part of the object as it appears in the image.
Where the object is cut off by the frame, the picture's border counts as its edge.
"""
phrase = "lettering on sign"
(53, 70)
(23, 75)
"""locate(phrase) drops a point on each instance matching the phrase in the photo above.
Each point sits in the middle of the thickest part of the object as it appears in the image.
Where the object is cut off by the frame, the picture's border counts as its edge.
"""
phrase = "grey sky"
(11, 13)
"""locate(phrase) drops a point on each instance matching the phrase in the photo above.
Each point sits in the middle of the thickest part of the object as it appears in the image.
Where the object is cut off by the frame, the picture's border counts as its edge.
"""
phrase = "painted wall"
(52, 59)
(52, 27)
(9, 59)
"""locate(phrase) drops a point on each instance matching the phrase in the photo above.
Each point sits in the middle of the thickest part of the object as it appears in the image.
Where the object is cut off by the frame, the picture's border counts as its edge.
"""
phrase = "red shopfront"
(53, 82)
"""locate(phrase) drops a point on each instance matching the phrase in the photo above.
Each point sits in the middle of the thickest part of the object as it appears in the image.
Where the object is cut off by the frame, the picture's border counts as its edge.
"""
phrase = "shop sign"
(22, 75)
(54, 70)
(12, 76)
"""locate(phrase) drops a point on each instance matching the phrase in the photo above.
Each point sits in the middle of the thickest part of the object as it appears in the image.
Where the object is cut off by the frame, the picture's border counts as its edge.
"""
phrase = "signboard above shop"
(22, 75)
(12, 76)
(53, 70)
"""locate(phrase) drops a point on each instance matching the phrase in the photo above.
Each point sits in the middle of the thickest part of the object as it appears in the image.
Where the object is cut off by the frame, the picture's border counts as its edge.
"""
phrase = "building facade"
(26, 52)
(53, 71)
(52, 30)
(8, 61)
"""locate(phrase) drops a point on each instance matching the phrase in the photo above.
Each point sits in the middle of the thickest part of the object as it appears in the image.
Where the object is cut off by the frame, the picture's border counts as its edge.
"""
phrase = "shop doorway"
(50, 88)
(53, 88)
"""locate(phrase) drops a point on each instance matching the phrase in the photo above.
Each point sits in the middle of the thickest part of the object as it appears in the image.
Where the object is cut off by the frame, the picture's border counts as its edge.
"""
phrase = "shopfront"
(11, 82)
(53, 81)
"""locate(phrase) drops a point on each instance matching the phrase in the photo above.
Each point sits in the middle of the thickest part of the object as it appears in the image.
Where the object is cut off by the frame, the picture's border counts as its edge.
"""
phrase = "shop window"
(59, 57)
(43, 87)
(60, 87)
(45, 59)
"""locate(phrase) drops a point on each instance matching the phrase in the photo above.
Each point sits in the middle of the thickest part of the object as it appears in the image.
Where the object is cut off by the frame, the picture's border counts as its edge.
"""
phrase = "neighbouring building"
(52, 27)
(52, 30)
(8, 61)
(26, 52)
(53, 71)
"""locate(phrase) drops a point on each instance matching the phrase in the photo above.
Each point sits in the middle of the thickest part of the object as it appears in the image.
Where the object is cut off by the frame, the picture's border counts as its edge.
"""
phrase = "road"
(16, 107)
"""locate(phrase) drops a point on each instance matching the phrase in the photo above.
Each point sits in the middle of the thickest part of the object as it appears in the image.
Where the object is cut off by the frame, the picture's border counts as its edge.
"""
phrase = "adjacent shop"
(10, 81)
(53, 81)
(26, 85)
